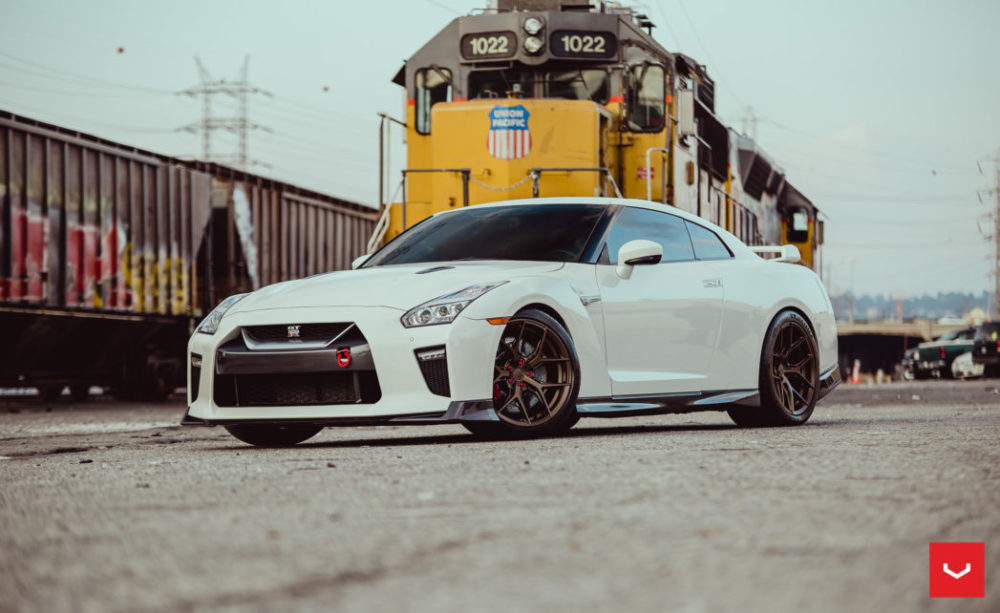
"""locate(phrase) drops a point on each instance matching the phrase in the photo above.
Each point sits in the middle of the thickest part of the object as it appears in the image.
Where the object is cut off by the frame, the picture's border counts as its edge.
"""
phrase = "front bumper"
(387, 349)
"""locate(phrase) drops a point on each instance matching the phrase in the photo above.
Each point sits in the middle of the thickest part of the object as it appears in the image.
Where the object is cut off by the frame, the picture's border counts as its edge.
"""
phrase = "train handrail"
(382, 226)
(649, 173)
(536, 175)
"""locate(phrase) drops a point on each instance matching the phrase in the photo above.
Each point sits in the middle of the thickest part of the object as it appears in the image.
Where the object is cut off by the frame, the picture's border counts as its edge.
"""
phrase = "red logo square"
(958, 570)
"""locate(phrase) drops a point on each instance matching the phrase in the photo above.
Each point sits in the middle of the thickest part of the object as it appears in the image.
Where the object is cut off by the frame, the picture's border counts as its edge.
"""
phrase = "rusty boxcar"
(110, 254)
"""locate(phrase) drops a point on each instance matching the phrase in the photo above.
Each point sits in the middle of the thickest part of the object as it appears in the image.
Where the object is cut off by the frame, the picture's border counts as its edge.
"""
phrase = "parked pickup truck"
(935, 357)
(986, 348)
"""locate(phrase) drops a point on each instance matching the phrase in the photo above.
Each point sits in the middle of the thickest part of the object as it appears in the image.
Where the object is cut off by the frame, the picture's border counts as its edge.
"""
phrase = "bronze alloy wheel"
(536, 378)
(794, 369)
(789, 375)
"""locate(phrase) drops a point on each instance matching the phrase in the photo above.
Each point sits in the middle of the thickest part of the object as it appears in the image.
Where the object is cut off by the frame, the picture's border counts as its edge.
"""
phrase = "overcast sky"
(878, 111)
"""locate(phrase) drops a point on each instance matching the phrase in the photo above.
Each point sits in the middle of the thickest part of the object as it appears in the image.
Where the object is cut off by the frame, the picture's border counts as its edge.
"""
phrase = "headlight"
(533, 25)
(444, 309)
(533, 44)
(210, 324)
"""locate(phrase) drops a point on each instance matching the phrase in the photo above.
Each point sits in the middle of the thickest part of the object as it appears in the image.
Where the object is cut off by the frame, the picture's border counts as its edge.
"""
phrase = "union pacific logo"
(509, 137)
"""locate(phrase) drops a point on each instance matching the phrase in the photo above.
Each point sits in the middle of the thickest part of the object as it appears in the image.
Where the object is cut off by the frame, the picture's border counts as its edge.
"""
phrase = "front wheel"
(267, 435)
(536, 380)
(789, 375)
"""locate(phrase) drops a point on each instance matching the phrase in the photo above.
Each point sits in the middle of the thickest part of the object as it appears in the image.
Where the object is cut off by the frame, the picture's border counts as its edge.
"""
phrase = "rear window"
(989, 331)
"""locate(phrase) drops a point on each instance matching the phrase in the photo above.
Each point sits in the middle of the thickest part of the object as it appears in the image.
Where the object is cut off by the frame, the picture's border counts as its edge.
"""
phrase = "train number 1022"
(567, 43)
(488, 45)
(583, 44)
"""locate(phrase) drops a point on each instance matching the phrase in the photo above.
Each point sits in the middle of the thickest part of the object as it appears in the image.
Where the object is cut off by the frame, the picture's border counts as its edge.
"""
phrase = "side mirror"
(790, 254)
(685, 113)
(637, 253)
(358, 261)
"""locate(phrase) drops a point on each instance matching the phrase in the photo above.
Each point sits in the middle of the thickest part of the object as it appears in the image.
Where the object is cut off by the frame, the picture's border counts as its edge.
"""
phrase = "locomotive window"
(590, 84)
(496, 84)
(798, 226)
(433, 86)
(647, 101)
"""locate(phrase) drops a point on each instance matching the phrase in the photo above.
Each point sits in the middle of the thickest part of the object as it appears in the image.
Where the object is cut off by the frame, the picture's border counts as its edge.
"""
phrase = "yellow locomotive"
(554, 98)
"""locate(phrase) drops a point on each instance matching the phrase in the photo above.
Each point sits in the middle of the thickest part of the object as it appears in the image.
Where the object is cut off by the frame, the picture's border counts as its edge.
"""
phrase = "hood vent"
(434, 269)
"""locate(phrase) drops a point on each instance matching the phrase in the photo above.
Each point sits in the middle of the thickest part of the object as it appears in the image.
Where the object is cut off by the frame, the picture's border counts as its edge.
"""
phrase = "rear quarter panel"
(755, 292)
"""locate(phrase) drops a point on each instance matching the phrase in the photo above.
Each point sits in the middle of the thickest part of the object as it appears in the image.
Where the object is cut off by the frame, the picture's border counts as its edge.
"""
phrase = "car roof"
(731, 240)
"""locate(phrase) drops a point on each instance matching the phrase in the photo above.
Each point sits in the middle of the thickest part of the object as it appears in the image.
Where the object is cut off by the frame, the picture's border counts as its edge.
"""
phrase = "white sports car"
(516, 319)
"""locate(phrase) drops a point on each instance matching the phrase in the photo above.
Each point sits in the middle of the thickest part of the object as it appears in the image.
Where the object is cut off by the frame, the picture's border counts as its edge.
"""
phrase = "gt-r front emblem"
(293, 331)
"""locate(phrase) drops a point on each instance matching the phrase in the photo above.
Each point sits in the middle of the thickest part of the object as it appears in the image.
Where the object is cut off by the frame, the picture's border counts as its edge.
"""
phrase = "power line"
(666, 24)
(708, 55)
(98, 82)
(866, 151)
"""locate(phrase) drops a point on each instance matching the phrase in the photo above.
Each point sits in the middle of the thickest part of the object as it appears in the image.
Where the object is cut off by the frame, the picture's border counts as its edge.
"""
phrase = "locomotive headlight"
(533, 44)
(533, 25)
(444, 309)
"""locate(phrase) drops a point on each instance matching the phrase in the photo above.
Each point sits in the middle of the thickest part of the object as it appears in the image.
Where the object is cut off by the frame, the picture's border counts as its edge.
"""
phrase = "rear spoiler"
(786, 253)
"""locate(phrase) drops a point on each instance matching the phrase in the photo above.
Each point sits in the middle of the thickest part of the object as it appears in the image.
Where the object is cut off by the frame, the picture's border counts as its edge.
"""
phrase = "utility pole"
(996, 230)
(750, 121)
(239, 125)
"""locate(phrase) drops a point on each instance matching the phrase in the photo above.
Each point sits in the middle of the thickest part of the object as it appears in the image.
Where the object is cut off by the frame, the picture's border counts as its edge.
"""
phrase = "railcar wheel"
(80, 392)
(536, 380)
(266, 435)
(50, 393)
(789, 375)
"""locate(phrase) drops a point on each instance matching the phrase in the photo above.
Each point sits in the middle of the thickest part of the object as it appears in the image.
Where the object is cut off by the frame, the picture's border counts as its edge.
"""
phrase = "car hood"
(400, 287)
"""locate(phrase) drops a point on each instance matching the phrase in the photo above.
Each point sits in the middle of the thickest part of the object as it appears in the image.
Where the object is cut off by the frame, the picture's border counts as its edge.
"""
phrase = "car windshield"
(548, 233)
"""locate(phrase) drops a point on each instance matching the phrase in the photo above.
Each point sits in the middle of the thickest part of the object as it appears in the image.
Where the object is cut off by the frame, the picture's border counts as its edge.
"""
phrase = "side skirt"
(628, 406)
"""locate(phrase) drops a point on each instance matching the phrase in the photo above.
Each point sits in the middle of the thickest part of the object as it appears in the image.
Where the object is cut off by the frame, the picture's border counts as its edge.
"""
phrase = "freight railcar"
(575, 98)
(110, 254)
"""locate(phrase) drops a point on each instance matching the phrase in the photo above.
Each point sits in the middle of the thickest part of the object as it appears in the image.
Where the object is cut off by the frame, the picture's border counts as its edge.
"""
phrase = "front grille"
(307, 332)
(434, 370)
(289, 389)
(195, 376)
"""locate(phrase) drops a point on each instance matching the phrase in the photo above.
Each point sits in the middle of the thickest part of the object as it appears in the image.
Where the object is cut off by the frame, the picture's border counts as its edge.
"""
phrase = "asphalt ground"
(108, 506)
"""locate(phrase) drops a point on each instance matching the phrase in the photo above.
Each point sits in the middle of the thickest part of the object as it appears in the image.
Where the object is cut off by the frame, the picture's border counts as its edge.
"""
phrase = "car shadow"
(470, 439)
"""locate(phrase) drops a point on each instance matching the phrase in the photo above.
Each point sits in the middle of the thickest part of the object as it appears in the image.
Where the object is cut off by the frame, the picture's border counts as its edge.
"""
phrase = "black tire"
(79, 392)
(267, 435)
(50, 393)
(789, 375)
(921, 375)
(536, 380)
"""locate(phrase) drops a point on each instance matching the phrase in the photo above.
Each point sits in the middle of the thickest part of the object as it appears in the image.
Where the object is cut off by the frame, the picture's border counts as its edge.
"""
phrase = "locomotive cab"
(550, 98)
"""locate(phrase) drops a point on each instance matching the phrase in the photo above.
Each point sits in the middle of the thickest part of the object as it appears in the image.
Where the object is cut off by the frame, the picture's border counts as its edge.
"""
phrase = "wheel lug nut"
(522, 383)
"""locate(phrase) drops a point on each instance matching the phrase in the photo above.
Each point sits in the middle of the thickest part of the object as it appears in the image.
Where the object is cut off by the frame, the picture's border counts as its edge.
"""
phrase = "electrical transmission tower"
(996, 231)
(750, 121)
(239, 125)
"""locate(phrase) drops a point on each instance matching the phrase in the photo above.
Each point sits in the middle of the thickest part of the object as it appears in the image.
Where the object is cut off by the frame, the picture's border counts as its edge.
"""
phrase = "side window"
(433, 86)
(707, 244)
(663, 228)
(647, 105)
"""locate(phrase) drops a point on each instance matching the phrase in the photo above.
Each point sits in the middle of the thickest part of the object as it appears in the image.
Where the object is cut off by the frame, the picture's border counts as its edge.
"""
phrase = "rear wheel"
(536, 379)
(789, 375)
(267, 435)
